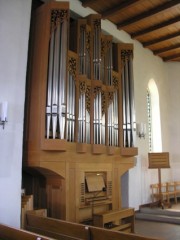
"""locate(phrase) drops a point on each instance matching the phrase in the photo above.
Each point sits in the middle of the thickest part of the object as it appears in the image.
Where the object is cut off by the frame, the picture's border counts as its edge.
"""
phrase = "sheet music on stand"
(159, 160)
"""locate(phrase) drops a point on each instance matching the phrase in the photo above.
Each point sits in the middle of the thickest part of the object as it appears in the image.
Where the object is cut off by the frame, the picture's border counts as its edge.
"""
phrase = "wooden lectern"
(159, 160)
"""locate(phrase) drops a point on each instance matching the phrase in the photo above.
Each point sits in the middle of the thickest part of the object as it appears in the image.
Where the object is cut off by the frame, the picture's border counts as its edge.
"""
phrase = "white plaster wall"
(173, 73)
(146, 67)
(14, 34)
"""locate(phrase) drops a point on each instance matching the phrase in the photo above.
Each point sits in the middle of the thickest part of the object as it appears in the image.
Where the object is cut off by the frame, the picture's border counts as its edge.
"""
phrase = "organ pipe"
(87, 109)
(128, 99)
(56, 90)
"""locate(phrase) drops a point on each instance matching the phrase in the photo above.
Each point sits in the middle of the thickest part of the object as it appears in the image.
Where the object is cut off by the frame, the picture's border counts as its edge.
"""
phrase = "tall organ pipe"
(62, 79)
(128, 101)
(56, 85)
(49, 87)
(132, 110)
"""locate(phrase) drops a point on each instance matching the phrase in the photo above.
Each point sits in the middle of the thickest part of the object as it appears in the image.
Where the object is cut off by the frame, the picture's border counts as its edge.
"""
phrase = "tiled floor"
(164, 231)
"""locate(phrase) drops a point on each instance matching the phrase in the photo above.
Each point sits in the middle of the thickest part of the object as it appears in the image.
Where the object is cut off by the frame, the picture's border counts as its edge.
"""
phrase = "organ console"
(80, 113)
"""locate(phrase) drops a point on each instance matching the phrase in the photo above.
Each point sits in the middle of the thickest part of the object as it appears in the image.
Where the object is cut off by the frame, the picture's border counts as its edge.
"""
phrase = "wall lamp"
(3, 113)
(141, 130)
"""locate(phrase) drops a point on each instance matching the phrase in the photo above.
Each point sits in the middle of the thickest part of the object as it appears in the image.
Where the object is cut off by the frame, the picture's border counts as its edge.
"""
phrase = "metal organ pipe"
(97, 51)
(125, 119)
(116, 128)
(82, 127)
(87, 112)
(128, 101)
(62, 82)
(55, 81)
(61, 88)
(97, 123)
(70, 108)
(113, 110)
(132, 110)
(109, 63)
(110, 124)
(56, 86)
(49, 87)
(82, 50)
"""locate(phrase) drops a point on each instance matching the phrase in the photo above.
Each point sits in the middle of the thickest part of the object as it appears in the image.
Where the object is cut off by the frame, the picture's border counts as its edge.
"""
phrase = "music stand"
(158, 161)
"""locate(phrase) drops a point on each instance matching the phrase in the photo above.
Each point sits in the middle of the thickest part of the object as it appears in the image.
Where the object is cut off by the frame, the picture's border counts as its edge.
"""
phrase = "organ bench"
(121, 220)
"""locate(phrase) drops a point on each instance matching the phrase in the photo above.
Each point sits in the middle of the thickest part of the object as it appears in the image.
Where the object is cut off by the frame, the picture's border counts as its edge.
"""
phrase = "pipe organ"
(81, 117)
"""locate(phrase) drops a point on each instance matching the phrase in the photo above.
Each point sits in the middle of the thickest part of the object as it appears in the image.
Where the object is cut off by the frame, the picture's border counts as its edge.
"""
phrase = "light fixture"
(141, 130)
(3, 113)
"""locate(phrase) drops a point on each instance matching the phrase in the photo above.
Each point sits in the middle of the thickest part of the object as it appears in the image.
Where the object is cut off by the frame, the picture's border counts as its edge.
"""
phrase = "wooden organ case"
(80, 114)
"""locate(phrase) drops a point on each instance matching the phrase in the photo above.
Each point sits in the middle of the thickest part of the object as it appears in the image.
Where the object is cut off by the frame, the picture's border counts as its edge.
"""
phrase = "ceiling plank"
(121, 6)
(171, 58)
(85, 3)
(162, 39)
(155, 27)
(148, 14)
(166, 49)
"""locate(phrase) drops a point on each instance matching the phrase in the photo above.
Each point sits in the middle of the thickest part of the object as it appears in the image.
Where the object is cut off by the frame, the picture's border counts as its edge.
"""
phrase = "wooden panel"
(159, 160)
(59, 229)
(72, 192)
(55, 228)
(10, 233)
(99, 233)
(129, 151)
(56, 197)
(122, 219)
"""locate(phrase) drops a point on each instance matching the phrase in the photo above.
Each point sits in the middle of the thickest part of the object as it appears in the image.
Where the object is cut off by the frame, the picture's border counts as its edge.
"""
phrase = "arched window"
(154, 123)
(149, 119)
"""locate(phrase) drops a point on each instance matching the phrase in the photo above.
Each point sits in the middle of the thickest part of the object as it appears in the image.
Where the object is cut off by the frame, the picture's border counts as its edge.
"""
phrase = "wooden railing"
(165, 190)
(59, 229)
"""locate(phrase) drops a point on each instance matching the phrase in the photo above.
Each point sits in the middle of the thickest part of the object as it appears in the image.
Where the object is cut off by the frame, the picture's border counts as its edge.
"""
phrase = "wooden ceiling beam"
(119, 7)
(166, 49)
(171, 58)
(148, 14)
(155, 27)
(162, 39)
(85, 3)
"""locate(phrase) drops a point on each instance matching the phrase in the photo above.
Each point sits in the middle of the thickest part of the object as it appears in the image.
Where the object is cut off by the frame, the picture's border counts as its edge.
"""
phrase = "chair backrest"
(154, 188)
(177, 186)
(171, 187)
(164, 188)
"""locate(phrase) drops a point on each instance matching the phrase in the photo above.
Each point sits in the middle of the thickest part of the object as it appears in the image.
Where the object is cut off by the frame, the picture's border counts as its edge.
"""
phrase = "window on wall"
(149, 119)
(154, 123)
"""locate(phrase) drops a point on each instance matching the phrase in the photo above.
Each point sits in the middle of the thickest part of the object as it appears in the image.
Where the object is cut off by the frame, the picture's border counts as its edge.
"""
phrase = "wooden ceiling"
(154, 23)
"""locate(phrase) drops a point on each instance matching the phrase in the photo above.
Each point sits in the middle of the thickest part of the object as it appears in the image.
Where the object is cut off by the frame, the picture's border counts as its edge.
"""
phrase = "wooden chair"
(177, 189)
(164, 192)
(172, 191)
(154, 192)
(156, 195)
